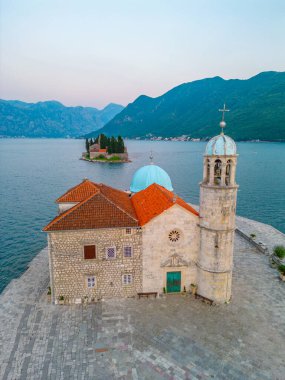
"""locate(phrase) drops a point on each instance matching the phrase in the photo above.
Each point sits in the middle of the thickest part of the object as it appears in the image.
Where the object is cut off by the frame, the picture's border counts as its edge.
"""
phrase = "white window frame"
(93, 283)
(127, 279)
(115, 253)
(128, 231)
(128, 246)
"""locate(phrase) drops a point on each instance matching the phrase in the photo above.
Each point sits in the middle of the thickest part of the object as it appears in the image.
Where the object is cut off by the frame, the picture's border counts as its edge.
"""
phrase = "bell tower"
(218, 192)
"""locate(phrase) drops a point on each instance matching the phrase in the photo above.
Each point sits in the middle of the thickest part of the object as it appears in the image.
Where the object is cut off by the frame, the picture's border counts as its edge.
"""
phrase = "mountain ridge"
(257, 109)
(51, 118)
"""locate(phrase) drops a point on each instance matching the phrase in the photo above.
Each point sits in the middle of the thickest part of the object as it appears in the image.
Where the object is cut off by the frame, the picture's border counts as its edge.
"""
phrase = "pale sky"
(93, 52)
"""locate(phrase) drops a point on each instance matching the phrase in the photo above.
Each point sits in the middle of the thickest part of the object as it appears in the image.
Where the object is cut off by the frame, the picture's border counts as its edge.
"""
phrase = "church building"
(108, 243)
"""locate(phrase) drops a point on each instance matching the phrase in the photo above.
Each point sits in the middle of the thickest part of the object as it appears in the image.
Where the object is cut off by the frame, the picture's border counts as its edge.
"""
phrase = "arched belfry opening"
(228, 172)
(218, 172)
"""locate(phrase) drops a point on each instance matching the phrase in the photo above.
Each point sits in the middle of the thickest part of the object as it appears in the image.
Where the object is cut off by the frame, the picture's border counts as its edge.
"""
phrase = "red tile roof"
(97, 211)
(79, 192)
(101, 206)
(154, 200)
(102, 150)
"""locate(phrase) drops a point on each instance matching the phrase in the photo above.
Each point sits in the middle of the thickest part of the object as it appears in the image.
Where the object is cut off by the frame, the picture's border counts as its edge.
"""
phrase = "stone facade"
(69, 270)
(218, 193)
(160, 255)
(173, 248)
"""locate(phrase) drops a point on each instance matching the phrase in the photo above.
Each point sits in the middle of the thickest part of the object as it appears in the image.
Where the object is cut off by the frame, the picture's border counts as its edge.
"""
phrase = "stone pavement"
(265, 233)
(176, 337)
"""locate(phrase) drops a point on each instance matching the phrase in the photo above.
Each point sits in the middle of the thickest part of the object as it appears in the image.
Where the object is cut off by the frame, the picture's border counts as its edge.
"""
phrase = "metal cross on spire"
(223, 123)
(223, 110)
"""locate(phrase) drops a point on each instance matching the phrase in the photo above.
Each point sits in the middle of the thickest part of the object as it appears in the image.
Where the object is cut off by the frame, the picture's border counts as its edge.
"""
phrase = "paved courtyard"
(177, 337)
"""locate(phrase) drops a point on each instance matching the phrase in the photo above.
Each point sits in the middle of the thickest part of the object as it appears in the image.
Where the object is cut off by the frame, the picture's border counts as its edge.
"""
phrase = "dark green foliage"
(257, 110)
(112, 148)
(121, 145)
(281, 269)
(279, 251)
(112, 144)
(87, 145)
(51, 119)
(104, 141)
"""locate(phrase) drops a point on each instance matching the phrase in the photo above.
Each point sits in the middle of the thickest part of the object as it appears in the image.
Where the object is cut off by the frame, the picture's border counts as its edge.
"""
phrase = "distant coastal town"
(185, 138)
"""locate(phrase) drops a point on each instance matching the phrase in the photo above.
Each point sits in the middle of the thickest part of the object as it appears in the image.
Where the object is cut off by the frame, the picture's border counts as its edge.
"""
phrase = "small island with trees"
(105, 149)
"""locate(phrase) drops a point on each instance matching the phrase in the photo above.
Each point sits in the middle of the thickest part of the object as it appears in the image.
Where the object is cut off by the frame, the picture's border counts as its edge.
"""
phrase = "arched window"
(228, 173)
(208, 172)
(217, 172)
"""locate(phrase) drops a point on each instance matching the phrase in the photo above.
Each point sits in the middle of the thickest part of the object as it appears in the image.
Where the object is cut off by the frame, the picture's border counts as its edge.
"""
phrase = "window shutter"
(89, 252)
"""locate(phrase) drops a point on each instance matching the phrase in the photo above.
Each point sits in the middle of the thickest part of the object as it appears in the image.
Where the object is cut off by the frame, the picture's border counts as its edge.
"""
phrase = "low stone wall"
(260, 246)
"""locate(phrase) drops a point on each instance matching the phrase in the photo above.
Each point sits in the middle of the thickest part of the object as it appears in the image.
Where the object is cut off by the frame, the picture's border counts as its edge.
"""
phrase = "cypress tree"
(121, 145)
(87, 145)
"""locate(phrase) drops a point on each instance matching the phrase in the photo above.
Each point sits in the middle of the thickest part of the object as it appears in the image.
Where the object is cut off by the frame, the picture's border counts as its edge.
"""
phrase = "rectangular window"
(127, 279)
(89, 252)
(111, 252)
(91, 282)
(128, 231)
(128, 251)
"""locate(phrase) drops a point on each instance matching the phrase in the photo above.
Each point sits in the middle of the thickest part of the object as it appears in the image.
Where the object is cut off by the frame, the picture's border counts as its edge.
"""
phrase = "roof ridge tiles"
(120, 208)
(59, 199)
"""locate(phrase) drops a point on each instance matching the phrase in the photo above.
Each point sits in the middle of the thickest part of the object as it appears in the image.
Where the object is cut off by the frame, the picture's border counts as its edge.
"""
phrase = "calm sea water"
(35, 172)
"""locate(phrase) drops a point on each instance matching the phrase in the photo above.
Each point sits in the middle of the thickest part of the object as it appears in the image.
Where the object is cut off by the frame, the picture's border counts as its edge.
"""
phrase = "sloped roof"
(154, 200)
(97, 211)
(102, 206)
(79, 192)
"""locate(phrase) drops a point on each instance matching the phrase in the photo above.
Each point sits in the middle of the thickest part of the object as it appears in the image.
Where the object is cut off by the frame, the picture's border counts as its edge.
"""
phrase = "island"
(105, 149)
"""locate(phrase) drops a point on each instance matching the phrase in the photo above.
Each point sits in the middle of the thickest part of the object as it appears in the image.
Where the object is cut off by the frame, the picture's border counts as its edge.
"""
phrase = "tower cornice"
(219, 187)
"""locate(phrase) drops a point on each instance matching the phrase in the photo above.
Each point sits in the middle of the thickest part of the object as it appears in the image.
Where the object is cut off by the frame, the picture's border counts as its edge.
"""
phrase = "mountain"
(51, 119)
(257, 110)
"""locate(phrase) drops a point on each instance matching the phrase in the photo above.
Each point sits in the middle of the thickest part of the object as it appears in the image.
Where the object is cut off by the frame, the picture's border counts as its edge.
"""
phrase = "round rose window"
(174, 236)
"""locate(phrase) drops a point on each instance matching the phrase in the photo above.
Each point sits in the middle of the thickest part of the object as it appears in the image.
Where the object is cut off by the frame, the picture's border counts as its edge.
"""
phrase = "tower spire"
(223, 123)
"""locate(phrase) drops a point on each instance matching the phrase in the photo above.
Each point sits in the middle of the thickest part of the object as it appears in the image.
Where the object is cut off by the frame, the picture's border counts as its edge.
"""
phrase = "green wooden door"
(173, 282)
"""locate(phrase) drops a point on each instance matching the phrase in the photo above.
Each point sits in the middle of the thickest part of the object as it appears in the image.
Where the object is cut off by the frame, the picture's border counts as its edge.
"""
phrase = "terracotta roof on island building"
(101, 206)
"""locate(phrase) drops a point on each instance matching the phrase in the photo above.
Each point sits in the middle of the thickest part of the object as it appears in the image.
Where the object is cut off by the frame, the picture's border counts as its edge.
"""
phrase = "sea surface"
(34, 172)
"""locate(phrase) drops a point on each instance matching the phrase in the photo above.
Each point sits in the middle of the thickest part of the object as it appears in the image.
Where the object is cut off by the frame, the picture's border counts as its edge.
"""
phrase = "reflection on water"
(35, 172)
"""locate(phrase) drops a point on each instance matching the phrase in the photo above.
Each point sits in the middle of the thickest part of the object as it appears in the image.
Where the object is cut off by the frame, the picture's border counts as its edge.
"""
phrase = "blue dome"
(221, 145)
(148, 175)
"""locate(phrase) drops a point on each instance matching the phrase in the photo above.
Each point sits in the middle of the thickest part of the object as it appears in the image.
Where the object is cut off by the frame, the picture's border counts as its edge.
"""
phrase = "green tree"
(121, 145)
(103, 141)
(87, 145)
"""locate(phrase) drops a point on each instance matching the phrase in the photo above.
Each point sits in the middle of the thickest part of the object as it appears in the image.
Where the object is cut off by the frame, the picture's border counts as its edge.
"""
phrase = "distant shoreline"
(133, 139)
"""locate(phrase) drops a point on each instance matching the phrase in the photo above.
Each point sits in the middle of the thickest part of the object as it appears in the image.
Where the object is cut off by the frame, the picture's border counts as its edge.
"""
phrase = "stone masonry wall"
(69, 269)
(217, 221)
(158, 250)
